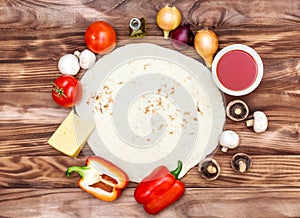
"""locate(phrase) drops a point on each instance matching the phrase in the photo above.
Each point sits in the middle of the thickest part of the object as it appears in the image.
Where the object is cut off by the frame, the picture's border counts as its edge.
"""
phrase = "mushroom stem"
(211, 169)
(224, 149)
(259, 122)
(77, 54)
(238, 111)
(229, 139)
(250, 123)
(242, 166)
(241, 162)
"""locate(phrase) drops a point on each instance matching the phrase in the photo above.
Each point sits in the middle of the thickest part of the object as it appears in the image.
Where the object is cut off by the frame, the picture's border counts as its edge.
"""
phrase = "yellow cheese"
(71, 135)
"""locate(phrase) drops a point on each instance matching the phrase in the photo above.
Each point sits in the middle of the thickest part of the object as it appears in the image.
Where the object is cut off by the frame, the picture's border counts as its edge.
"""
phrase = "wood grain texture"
(49, 172)
(25, 123)
(29, 47)
(199, 202)
(45, 14)
(279, 75)
(36, 33)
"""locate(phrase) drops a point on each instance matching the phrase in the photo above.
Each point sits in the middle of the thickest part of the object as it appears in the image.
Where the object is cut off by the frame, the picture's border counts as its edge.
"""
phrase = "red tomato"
(100, 37)
(66, 91)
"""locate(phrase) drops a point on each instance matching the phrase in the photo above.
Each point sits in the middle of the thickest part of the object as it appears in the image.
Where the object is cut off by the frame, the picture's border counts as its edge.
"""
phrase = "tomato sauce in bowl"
(237, 70)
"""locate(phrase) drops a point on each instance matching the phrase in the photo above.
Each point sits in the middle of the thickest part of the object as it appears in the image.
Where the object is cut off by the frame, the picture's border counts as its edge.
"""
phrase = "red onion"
(182, 37)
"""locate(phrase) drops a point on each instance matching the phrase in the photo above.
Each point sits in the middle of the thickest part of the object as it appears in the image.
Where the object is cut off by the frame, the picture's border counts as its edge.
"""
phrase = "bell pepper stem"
(82, 171)
(177, 171)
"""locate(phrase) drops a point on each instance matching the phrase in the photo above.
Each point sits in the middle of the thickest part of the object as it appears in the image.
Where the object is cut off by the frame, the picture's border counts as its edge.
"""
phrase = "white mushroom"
(68, 64)
(86, 58)
(259, 122)
(229, 140)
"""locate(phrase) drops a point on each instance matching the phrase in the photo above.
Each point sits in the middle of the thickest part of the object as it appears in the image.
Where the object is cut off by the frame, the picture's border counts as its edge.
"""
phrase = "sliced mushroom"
(229, 140)
(237, 110)
(259, 122)
(209, 168)
(241, 162)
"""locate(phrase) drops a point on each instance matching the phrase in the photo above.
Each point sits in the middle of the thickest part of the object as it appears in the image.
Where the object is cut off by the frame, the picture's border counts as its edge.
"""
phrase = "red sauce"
(237, 70)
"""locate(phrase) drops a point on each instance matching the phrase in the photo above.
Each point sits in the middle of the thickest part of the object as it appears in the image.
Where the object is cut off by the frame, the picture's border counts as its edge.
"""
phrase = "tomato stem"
(59, 91)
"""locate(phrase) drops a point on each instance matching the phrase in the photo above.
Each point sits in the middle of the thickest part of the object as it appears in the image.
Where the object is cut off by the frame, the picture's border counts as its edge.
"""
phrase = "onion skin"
(206, 44)
(182, 37)
(168, 18)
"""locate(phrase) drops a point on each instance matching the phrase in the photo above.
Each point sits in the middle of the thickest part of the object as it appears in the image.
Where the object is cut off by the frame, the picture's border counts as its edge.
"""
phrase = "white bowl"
(253, 54)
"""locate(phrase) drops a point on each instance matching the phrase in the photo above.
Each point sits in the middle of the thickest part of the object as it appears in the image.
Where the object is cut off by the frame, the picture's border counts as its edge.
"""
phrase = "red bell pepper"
(159, 189)
(101, 178)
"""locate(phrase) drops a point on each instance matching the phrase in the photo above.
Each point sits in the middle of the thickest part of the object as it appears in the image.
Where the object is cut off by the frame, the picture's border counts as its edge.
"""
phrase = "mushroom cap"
(229, 139)
(87, 59)
(237, 110)
(68, 64)
(241, 162)
(260, 122)
(209, 168)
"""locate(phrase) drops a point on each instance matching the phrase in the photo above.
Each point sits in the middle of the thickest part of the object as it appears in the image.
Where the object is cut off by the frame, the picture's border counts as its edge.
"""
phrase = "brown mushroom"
(237, 110)
(241, 162)
(209, 169)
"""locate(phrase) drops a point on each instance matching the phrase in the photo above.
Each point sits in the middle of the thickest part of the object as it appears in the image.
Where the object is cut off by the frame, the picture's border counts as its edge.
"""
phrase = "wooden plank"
(45, 14)
(279, 75)
(22, 137)
(30, 139)
(30, 136)
(196, 202)
(49, 172)
(37, 45)
(24, 122)
(26, 139)
(30, 107)
(34, 34)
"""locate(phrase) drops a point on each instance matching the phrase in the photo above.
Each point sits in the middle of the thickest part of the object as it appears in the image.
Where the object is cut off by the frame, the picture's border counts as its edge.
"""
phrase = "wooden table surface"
(35, 34)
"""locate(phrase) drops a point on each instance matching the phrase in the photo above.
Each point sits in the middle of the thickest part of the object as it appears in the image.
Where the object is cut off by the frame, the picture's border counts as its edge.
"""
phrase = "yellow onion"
(206, 44)
(168, 18)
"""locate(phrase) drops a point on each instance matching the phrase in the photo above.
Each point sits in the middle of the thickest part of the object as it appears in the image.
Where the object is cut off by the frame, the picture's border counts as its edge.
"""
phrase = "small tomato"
(100, 37)
(66, 91)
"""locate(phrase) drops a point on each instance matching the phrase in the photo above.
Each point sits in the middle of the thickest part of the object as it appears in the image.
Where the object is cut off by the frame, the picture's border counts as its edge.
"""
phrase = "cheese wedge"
(71, 135)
